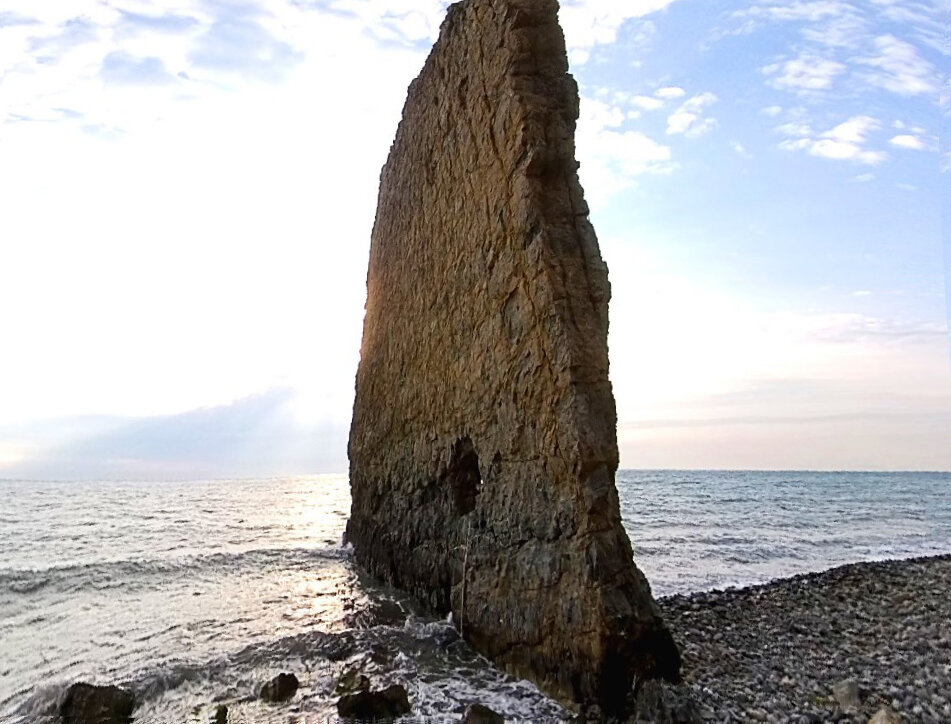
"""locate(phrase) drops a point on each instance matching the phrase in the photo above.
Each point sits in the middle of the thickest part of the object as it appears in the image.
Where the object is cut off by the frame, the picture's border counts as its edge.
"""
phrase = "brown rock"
(89, 704)
(483, 445)
(885, 716)
(389, 703)
(479, 714)
(281, 688)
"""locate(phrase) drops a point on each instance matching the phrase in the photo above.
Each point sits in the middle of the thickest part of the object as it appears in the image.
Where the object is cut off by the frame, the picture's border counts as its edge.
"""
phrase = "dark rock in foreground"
(852, 643)
(89, 704)
(479, 714)
(483, 444)
(281, 688)
(389, 703)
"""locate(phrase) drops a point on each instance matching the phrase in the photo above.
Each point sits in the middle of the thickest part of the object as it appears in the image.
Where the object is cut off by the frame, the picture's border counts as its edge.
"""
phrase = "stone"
(90, 704)
(352, 681)
(221, 714)
(661, 702)
(846, 693)
(483, 445)
(479, 714)
(389, 703)
(281, 688)
(885, 716)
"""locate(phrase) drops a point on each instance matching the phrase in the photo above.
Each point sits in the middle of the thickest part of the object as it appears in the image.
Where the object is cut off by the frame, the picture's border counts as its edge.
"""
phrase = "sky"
(187, 190)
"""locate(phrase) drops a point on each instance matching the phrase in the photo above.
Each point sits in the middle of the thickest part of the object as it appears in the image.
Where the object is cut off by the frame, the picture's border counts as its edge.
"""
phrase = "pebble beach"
(857, 643)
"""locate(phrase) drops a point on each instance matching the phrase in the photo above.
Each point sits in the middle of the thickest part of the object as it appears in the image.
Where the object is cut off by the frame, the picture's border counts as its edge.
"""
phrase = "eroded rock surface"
(483, 445)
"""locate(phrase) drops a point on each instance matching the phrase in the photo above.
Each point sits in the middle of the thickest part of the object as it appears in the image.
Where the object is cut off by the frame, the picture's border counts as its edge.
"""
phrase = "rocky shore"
(849, 644)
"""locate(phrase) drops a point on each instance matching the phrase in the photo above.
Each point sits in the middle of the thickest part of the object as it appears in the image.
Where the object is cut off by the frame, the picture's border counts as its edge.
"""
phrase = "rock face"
(483, 444)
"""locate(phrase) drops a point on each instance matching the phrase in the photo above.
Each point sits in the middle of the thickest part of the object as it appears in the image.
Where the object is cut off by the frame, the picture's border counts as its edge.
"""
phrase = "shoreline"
(776, 651)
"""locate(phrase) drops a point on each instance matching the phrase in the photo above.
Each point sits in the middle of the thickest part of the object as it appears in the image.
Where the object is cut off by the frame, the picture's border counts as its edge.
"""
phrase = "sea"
(194, 593)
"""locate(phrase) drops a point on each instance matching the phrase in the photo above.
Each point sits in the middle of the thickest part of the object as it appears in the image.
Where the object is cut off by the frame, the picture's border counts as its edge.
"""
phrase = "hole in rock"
(464, 476)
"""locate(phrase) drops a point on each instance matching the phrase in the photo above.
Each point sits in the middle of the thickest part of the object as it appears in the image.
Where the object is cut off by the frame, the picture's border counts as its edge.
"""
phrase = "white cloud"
(864, 177)
(670, 92)
(913, 143)
(648, 103)
(854, 130)
(844, 142)
(740, 149)
(899, 68)
(771, 111)
(611, 158)
(689, 119)
(807, 72)
(589, 23)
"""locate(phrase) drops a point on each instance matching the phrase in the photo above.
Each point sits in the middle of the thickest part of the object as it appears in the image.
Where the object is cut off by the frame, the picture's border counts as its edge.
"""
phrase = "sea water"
(193, 593)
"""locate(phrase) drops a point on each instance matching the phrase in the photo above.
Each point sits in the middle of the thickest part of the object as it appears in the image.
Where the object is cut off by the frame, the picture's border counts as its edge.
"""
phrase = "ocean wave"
(108, 574)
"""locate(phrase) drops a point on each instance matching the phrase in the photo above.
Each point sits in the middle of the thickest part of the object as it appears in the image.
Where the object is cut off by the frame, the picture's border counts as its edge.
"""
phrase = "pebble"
(840, 645)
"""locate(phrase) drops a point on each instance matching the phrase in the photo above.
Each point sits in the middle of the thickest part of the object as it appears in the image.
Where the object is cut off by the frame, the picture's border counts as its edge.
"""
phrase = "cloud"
(670, 92)
(771, 111)
(71, 34)
(589, 23)
(913, 143)
(240, 44)
(125, 69)
(740, 149)
(844, 142)
(899, 68)
(253, 436)
(807, 72)
(131, 22)
(689, 120)
(612, 158)
(11, 19)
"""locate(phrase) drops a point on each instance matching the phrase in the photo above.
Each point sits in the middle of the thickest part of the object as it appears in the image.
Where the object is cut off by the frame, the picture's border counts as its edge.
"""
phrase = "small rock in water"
(281, 688)
(885, 716)
(88, 704)
(221, 714)
(479, 714)
(846, 693)
(389, 703)
(352, 681)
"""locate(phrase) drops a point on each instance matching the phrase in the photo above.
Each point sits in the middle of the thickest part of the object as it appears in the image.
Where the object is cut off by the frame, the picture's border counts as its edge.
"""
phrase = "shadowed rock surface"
(483, 445)
(89, 704)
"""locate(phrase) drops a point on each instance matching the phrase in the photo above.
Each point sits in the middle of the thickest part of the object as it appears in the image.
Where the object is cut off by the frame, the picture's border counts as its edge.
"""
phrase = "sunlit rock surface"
(483, 444)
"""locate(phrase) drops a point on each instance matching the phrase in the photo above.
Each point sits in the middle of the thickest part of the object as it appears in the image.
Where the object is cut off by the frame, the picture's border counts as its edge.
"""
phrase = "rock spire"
(483, 444)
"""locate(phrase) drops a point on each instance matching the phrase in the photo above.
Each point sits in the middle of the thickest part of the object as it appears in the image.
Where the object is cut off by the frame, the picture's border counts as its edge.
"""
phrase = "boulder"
(389, 703)
(90, 704)
(479, 714)
(281, 688)
(483, 444)
(885, 716)
(846, 693)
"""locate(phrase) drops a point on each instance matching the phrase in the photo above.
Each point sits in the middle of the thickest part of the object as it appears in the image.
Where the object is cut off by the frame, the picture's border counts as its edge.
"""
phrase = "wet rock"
(483, 445)
(89, 704)
(664, 703)
(281, 688)
(221, 714)
(352, 681)
(389, 703)
(885, 716)
(846, 693)
(479, 714)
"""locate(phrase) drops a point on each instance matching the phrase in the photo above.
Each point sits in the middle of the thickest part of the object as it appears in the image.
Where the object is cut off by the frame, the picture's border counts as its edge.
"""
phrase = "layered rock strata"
(483, 445)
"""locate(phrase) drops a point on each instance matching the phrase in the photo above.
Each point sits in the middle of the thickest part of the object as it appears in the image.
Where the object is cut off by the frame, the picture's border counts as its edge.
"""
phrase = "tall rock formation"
(483, 444)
